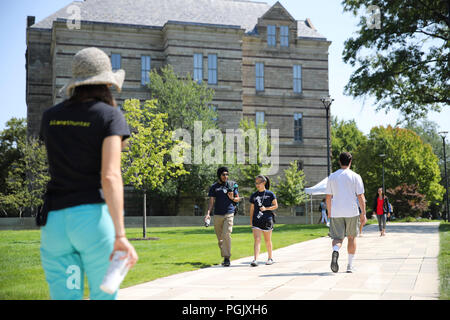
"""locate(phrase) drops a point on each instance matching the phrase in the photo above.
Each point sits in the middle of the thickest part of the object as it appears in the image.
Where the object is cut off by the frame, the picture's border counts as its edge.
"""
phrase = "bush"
(407, 201)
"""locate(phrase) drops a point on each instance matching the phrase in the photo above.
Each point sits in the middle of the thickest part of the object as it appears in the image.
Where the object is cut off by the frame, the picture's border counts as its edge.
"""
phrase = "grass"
(179, 249)
(444, 260)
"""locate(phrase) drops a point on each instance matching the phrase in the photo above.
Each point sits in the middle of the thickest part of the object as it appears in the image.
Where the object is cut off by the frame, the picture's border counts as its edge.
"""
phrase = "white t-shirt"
(344, 185)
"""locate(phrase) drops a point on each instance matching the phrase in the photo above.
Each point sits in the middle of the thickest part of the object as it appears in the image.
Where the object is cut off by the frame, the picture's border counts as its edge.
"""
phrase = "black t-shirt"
(262, 199)
(73, 135)
(223, 203)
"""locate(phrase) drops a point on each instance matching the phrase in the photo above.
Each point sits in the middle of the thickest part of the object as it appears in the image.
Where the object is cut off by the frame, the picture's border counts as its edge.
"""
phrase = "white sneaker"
(350, 269)
(254, 263)
(269, 262)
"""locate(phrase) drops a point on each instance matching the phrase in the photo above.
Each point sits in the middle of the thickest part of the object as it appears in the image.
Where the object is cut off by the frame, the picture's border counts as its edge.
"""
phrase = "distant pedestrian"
(223, 197)
(381, 209)
(82, 222)
(262, 204)
(323, 210)
(343, 188)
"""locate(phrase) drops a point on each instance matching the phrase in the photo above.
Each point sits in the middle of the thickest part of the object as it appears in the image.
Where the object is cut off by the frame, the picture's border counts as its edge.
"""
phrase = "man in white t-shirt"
(343, 187)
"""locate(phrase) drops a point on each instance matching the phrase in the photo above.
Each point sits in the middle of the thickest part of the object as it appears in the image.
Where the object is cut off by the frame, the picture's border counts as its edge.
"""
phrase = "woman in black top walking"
(82, 220)
(263, 203)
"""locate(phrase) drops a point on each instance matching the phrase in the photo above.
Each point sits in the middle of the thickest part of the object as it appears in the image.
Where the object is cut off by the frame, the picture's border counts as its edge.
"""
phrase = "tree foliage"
(26, 174)
(408, 160)
(345, 137)
(184, 101)
(404, 64)
(428, 131)
(146, 163)
(407, 201)
(248, 171)
(290, 189)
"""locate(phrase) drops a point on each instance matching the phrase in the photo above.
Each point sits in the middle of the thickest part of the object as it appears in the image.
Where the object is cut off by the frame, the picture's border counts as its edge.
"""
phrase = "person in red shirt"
(381, 208)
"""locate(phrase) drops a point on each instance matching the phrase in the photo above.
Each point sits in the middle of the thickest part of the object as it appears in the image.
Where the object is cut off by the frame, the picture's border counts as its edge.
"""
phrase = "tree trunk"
(177, 199)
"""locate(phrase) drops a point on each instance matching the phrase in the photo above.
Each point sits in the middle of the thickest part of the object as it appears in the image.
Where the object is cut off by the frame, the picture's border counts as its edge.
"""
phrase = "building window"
(145, 69)
(115, 61)
(212, 68)
(271, 36)
(259, 118)
(297, 70)
(259, 69)
(198, 67)
(298, 130)
(284, 36)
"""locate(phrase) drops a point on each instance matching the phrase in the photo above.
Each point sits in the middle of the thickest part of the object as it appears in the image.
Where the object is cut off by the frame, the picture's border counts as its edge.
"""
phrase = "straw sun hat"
(92, 66)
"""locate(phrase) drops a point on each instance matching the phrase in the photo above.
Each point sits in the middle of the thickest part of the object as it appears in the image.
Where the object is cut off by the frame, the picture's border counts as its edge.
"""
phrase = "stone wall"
(50, 53)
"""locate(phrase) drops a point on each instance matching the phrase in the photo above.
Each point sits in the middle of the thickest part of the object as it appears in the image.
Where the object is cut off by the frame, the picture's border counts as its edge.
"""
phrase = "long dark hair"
(98, 92)
(382, 193)
(266, 179)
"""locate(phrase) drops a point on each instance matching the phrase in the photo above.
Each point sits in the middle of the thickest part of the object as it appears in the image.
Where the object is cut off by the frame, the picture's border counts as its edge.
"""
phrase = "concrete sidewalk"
(401, 266)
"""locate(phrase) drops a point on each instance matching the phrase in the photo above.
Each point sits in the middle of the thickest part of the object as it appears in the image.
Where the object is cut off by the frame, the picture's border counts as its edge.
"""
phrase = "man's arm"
(328, 200)
(210, 206)
(362, 206)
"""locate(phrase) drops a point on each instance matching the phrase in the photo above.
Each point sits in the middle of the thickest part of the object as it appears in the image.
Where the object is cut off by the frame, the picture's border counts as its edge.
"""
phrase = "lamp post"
(383, 156)
(443, 134)
(327, 101)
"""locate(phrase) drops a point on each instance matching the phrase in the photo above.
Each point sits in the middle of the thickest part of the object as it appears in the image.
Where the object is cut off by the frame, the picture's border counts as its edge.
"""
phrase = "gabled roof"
(278, 9)
(156, 13)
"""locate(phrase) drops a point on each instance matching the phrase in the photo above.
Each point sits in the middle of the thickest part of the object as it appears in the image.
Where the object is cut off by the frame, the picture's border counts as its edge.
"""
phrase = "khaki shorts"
(344, 227)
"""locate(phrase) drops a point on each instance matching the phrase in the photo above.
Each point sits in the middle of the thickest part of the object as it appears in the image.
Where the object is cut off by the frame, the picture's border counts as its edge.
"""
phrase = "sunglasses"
(225, 174)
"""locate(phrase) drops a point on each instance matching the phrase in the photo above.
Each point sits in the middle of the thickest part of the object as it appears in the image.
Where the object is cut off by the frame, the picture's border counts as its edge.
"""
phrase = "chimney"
(30, 21)
(309, 23)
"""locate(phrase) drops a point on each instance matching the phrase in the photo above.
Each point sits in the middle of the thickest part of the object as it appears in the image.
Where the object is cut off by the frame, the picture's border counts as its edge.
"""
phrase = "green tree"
(407, 201)
(14, 132)
(147, 163)
(408, 66)
(290, 189)
(254, 163)
(27, 178)
(184, 101)
(428, 132)
(408, 160)
(345, 137)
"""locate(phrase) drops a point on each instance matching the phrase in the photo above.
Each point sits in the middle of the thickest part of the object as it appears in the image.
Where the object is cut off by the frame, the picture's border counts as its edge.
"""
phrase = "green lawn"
(179, 249)
(444, 260)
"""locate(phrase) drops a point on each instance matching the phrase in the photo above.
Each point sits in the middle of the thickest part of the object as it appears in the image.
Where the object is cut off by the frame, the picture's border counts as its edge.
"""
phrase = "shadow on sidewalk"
(404, 228)
(298, 274)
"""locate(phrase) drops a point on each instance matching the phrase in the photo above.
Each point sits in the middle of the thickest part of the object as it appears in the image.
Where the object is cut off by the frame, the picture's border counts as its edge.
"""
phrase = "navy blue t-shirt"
(73, 135)
(262, 199)
(223, 203)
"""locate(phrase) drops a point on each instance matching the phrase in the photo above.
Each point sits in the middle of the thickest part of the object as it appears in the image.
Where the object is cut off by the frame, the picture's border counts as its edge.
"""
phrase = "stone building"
(261, 62)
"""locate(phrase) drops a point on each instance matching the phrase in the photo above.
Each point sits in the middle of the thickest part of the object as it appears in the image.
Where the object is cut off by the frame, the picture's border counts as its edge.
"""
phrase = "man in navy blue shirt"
(223, 196)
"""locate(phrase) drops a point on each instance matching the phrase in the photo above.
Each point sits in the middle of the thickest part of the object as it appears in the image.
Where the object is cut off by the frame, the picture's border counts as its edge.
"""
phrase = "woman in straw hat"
(82, 222)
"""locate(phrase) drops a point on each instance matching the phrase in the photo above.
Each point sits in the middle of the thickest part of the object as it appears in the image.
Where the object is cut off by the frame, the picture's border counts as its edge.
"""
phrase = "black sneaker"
(334, 261)
(226, 262)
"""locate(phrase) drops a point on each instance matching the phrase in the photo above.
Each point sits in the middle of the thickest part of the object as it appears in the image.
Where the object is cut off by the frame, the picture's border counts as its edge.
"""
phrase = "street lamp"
(443, 134)
(383, 156)
(327, 101)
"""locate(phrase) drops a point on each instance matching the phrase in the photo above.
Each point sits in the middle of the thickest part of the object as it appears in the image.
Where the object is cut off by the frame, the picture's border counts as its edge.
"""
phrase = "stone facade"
(51, 46)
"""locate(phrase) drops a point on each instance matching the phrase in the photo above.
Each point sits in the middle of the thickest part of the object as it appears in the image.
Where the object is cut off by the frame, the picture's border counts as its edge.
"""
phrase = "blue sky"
(326, 15)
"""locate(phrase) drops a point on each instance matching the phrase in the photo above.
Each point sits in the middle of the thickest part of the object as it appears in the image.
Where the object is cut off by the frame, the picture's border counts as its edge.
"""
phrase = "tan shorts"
(344, 227)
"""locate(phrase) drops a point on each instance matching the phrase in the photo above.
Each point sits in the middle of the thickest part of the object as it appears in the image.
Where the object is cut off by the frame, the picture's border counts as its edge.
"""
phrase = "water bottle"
(116, 273)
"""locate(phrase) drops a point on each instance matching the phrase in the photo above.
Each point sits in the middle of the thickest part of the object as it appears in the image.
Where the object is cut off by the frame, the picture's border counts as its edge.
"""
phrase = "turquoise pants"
(76, 241)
